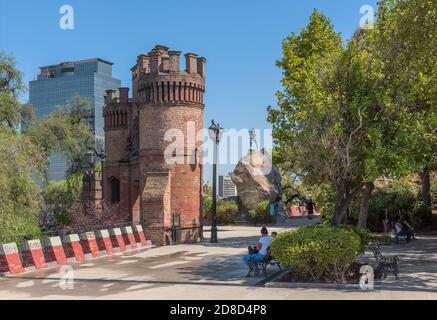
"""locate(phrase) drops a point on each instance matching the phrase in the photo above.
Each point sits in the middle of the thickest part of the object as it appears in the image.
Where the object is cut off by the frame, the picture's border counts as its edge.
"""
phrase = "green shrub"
(362, 233)
(317, 253)
(206, 203)
(262, 210)
(227, 211)
(422, 214)
(252, 214)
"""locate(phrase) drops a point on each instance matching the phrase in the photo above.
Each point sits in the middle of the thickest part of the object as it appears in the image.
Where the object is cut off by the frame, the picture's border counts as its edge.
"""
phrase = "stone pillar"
(92, 189)
(156, 206)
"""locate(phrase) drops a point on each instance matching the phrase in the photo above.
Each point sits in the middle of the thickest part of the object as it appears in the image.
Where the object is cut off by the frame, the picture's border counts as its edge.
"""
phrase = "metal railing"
(176, 232)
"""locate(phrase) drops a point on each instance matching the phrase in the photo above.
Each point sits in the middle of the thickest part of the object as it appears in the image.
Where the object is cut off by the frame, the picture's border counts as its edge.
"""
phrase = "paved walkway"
(211, 271)
(417, 263)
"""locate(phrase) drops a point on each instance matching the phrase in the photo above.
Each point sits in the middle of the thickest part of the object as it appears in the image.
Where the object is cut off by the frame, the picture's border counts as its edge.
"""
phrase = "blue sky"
(241, 40)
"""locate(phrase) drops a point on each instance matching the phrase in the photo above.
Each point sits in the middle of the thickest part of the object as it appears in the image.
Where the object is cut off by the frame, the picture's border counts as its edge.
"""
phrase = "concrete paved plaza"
(212, 271)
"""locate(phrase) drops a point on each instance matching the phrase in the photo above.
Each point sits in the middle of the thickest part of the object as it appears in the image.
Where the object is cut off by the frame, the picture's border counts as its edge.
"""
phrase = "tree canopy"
(350, 113)
(24, 155)
(65, 131)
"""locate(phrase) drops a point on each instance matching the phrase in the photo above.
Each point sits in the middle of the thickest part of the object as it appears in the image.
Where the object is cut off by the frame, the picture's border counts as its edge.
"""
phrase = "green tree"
(206, 200)
(12, 112)
(227, 210)
(324, 110)
(23, 157)
(206, 203)
(20, 162)
(349, 114)
(65, 131)
(406, 42)
(59, 197)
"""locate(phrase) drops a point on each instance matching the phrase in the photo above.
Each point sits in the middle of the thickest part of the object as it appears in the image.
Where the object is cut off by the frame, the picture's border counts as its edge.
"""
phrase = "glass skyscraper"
(57, 84)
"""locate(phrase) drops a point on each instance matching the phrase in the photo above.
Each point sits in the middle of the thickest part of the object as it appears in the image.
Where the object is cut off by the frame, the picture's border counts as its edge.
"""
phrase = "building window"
(115, 190)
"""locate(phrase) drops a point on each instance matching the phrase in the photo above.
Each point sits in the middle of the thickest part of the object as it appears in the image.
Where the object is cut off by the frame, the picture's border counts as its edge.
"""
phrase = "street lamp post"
(215, 133)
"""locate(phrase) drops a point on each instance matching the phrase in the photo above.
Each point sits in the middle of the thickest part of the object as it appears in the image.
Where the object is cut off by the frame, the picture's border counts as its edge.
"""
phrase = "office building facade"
(57, 84)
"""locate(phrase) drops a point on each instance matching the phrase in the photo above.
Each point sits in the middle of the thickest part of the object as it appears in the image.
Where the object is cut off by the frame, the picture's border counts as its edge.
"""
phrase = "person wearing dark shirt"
(310, 208)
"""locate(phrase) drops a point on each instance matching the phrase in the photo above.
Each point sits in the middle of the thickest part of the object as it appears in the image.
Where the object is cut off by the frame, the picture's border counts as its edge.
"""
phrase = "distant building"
(227, 187)
(57, 84)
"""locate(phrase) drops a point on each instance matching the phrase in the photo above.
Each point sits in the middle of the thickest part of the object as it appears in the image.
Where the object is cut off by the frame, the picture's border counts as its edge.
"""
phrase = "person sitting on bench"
(261, 248)
(402, 227)
(410, 229)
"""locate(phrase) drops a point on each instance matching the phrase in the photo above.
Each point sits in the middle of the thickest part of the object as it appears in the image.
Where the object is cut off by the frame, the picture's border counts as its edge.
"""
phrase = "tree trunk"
(366, 192)
(347, 216)
(426, 187)
(340, 211)
(342, 202)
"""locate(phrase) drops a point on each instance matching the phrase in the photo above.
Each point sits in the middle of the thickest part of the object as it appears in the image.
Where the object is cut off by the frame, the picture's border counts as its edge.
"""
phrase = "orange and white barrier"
(128, 237)
(34, 254)
(139, 235)
(55, 251)
(104, 241)
(10, 259)
(74, 249)
(89, 243)
(117, 239)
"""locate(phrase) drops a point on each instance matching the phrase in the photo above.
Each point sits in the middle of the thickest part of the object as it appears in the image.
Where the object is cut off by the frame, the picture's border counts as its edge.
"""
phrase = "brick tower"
(154, 174)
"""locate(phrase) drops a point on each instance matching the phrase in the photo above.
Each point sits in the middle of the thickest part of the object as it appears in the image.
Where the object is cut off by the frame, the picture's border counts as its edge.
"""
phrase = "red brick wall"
(151, 189)
(185, 178)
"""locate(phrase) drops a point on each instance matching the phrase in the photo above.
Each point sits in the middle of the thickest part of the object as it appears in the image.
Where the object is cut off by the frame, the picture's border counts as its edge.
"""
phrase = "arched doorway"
(114, 185)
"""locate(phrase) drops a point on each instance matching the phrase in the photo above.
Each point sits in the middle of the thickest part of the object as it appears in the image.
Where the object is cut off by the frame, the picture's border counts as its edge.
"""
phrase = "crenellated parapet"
(157, 78)
(171, 92)
(117, 109)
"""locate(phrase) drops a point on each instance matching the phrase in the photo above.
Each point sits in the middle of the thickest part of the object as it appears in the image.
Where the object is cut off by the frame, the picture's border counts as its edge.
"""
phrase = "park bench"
(262, 265)
(385, 263)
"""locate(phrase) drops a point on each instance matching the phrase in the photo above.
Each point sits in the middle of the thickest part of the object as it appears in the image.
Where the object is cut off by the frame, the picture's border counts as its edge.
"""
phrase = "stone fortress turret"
(148, 186)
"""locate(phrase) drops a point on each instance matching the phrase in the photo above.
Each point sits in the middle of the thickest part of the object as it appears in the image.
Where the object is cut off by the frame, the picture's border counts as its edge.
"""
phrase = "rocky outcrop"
(256, 179)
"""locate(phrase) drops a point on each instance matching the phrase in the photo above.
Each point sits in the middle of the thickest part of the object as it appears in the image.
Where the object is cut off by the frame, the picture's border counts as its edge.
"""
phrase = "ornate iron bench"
(262, 265)
(385, 263)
